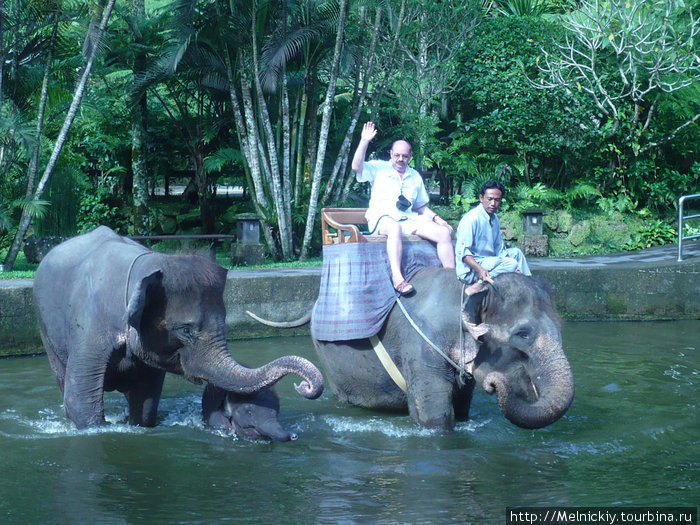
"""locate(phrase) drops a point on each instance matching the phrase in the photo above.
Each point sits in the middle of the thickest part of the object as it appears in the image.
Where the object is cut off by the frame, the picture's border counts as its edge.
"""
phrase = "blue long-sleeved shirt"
(478, 235)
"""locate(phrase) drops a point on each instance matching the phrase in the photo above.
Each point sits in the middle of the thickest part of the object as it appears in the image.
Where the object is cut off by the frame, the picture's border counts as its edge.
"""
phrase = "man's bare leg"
(394, 247)
(442, 236)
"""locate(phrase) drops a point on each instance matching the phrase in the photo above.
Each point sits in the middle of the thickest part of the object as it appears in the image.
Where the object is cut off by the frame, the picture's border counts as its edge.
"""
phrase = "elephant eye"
(524, 332)
(186, 331)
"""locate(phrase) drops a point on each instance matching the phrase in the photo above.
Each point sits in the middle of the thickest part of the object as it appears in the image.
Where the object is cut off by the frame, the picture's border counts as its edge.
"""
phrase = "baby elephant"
(251, 416)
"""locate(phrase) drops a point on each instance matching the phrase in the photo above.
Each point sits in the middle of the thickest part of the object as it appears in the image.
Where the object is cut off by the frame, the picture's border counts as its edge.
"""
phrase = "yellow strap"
(387, 363)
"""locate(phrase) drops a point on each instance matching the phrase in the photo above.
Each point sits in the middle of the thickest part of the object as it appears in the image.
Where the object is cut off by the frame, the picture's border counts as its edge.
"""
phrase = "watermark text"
(602, 515)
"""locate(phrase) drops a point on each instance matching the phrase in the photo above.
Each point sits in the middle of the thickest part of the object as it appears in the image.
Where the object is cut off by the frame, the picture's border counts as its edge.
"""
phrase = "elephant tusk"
(477, 330)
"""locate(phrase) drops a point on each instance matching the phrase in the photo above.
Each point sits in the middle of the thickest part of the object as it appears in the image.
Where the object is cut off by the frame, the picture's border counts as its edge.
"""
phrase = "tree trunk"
(383, 84)
(343, 154)
(203, 193)
(34, 161)
(301, 136)
(283, 219)
(287, 154)
(139, 165)
(344, 150)
(2, 54)
(250, 153)
(323, 136)
(93, 40)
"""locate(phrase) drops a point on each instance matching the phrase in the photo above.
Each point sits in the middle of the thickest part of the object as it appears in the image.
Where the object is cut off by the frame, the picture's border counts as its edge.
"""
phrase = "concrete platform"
(644, 285)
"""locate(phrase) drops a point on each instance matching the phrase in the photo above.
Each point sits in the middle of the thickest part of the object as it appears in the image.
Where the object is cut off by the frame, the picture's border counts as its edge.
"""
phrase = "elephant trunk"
(225, 372)
(552, 392)
(269, 430)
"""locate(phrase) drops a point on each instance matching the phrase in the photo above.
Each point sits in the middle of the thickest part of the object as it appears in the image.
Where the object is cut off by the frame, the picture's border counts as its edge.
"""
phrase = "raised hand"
(369, 131)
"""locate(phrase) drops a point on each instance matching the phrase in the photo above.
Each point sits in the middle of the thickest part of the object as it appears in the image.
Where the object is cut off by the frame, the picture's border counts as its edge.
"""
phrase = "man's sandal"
(404, 288)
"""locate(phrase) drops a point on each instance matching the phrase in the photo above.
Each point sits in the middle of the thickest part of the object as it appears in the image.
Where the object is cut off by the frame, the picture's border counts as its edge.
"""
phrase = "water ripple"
(408, 428)
(49, 423)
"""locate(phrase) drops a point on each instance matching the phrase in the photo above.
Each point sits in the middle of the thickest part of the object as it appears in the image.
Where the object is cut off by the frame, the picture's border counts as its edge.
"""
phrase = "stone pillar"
(534, 245)
(243, 254)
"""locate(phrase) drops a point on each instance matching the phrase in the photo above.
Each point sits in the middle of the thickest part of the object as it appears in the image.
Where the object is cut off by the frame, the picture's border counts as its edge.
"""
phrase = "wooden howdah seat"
(346, 225)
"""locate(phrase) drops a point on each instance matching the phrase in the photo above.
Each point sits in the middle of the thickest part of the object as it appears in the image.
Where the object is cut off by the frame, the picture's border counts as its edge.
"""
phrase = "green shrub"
(96, 208)
(656, 233)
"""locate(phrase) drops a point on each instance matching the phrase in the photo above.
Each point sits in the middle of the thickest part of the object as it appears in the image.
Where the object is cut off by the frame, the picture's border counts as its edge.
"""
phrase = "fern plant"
(656, 233)
(582, 192)
(525, 197)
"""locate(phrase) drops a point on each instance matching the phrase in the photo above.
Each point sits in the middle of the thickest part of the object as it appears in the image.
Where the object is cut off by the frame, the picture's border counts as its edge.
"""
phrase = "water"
(630, 438)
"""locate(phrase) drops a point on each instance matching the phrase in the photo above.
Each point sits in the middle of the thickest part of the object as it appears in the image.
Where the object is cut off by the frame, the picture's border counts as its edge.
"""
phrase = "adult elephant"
(114, 315)
(507, 339)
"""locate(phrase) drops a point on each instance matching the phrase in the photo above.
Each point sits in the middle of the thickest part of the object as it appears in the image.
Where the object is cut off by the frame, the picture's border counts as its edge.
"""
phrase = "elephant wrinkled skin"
(519, 357)
(114, 315)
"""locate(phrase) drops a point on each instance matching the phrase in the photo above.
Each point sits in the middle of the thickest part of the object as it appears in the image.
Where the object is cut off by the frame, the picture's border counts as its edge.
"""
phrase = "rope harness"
(463, 367)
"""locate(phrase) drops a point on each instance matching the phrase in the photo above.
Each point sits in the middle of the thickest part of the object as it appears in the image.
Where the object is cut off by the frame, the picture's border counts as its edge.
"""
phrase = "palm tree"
(92, 43)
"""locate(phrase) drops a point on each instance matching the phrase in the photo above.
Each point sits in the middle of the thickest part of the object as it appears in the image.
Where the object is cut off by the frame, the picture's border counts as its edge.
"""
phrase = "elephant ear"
(471, 315)
(471, 310)
(137, 301)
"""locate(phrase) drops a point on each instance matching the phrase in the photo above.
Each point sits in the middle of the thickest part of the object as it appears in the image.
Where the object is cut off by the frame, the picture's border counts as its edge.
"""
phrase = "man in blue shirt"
(479, 251)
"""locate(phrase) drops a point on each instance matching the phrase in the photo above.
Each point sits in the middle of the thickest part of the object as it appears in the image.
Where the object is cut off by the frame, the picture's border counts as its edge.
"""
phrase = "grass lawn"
(25, 270)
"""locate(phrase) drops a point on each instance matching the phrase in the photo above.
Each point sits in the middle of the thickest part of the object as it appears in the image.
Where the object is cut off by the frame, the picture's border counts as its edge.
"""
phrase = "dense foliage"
(267, 95)
(503, 115)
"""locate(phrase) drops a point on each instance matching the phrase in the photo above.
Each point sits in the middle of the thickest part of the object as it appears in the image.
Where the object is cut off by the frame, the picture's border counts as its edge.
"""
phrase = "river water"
(630, 438)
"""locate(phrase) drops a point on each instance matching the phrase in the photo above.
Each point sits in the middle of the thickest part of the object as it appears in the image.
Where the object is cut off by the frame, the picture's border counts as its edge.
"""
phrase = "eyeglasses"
(404, 156)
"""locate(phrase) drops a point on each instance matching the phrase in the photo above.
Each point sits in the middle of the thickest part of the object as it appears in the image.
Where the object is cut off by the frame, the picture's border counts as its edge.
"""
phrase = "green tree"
(92, 42)
(628, 57)
(417, 66)
(504, 124)
(139, 124)
(281, 68)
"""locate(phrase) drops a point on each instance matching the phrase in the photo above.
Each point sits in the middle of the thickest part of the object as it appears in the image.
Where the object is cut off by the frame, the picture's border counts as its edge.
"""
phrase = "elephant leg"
(59, 369)
(462, 400)
(144, 395)
(430, 393)
(84, 390)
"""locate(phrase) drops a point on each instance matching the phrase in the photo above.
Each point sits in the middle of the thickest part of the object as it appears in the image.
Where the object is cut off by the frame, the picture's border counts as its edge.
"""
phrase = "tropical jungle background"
(586, 109)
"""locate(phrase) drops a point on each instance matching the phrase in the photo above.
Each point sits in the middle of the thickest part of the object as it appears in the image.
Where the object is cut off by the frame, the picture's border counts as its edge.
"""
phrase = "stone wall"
(19, 330)
(662, 290)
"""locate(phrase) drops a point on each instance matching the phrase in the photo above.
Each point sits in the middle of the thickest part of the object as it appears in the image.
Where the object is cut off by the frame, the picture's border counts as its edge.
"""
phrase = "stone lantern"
(532, 222)
(247, 249)
(248, 228)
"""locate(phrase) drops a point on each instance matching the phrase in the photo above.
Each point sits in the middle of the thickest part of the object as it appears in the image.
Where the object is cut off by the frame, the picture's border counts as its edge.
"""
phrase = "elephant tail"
(282, 324)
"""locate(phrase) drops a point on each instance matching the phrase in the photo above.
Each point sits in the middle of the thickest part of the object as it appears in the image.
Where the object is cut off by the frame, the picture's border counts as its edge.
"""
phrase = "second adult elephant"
(519, 357)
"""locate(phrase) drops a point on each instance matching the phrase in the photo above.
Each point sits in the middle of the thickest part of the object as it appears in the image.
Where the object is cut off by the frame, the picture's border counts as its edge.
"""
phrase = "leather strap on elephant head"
(464, 374)
(128, 277)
